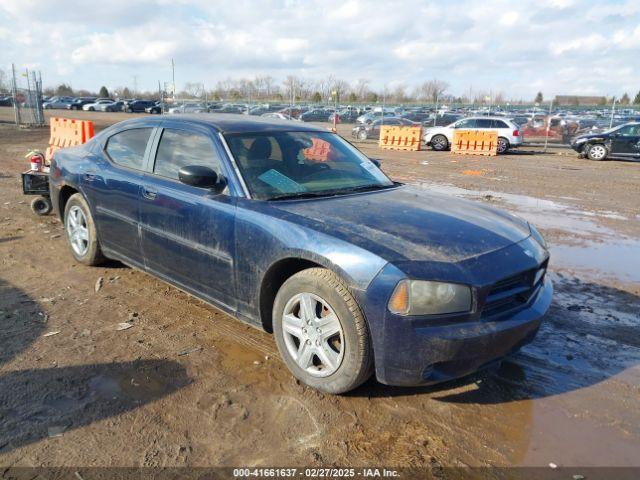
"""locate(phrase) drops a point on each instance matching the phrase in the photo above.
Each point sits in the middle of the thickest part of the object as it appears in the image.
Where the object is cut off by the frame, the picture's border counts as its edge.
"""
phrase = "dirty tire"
(93, 254)
(597, 151)
(503, 145)
(439, 143)
(41, 206)
(356, 365)
(362, 135)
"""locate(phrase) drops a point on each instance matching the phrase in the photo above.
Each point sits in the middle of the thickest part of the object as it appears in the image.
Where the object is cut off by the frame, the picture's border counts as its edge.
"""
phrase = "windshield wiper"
(287, 196)
(331, 193)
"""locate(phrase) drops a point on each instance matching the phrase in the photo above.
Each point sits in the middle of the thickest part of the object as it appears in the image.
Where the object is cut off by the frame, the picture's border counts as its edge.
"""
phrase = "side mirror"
(201, 177)
(376, 162)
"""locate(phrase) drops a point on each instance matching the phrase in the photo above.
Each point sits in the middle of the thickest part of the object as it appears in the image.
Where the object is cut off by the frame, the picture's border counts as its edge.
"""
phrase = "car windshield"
(278, 165)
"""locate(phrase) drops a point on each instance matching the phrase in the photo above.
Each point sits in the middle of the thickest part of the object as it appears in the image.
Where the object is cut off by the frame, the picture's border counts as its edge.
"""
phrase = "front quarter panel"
(263, 240)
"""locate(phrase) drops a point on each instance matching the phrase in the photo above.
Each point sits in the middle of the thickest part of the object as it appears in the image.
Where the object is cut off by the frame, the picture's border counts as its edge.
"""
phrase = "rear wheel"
(597, 152)
(439, 143)
(503, 145)
(321, 333)
(81, 231)
(362, 135)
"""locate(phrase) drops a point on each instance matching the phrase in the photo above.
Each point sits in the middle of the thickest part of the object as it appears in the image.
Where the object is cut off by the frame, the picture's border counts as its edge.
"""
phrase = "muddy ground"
(188, 385)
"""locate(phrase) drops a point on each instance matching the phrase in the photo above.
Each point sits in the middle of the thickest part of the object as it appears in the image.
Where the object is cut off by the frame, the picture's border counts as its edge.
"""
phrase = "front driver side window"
(179, 148)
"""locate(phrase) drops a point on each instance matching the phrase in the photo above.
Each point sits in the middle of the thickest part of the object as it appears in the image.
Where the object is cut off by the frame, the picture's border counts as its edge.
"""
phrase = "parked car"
(350, 271)
(137, 106)
(157, 107)
(509, 134)
(117, 106)
(189, 108)
(6, 101)
(97, 105)
(622, 142)
(553, 128)
(364, 131)
(278, 115)
(344, 116)
(57, 102)
(315, 115)
(79, 102)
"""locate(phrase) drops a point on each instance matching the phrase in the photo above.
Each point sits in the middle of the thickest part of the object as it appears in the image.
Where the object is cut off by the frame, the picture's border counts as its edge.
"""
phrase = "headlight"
(418, 297)
(535, 234)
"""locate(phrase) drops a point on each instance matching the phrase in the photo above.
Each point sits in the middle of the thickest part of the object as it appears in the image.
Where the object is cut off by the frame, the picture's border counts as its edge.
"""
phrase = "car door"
(113, 186)
(188, 232)
(626, 141)
(464, 124)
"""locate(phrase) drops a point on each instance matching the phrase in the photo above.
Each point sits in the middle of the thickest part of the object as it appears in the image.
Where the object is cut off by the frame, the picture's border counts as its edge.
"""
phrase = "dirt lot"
(188, 385)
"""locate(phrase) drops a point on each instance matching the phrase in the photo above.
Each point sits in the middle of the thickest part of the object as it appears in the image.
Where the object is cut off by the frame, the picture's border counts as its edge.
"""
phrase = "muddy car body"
(420, 287)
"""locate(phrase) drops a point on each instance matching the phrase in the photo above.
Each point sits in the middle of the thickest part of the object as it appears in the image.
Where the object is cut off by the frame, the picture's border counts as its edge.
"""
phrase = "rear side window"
(498, 124)
(484, 123)
(127, 148)
(466, 123)
(179, 148)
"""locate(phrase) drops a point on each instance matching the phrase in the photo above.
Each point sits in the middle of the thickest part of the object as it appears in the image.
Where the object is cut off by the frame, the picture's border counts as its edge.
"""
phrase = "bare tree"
(194, 89)
(4, 84)
(361, 88)
(431, 90)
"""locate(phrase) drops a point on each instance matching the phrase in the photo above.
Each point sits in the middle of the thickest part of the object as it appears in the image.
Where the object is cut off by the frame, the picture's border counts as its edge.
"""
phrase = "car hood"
(409, 223)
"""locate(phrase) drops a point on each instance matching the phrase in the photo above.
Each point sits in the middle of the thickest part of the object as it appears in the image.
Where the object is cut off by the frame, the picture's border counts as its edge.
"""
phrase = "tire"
(41, 206)
(345, 342)
(439, 143)
(362, 135)
(91, 109)
(597, 152)
(503, 145)
(129, 110)
(77, 210)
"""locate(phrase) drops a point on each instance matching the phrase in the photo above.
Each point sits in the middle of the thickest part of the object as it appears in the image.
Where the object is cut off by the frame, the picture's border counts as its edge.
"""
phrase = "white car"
(280, 116)
(509, 135)
(91, 107)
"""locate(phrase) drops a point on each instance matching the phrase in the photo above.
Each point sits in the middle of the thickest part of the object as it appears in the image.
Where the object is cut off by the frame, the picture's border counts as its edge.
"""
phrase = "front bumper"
(424, 350)
(441, 353)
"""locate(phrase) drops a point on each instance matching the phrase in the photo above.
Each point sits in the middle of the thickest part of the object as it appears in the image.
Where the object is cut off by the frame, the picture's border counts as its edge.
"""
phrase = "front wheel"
(321, 333)
(439, 143)
(503, 145)
(81, 231)
(362, 135)
(597, 152)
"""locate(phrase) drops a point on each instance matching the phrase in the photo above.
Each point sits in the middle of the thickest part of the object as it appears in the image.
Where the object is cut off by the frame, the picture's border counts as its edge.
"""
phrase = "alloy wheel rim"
(313, 334)
(597, 152)
(439, 142)
(77, 231)
(502, 146)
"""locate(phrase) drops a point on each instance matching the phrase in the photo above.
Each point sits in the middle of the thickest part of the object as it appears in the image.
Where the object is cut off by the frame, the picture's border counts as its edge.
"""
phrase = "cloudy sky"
(515, 46)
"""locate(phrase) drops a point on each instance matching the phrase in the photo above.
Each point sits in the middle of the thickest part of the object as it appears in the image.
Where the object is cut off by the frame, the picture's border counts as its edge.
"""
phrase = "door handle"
(149, 193)
(90, 176)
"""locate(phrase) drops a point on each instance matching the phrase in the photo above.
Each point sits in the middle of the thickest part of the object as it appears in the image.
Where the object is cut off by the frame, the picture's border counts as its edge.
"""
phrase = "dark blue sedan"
(290, 228)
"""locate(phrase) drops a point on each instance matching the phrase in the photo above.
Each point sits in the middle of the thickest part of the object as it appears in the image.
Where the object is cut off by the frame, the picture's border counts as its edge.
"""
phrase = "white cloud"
(514, 47)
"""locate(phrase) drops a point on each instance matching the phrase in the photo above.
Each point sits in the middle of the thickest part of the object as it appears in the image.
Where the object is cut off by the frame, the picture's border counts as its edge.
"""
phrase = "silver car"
(57, 102)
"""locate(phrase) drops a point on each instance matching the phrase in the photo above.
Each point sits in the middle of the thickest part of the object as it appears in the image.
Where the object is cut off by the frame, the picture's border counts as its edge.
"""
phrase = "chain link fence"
(26, 91)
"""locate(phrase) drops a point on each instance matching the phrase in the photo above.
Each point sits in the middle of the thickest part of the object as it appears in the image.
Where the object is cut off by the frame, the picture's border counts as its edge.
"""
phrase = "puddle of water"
(620, 261)
(612, 257)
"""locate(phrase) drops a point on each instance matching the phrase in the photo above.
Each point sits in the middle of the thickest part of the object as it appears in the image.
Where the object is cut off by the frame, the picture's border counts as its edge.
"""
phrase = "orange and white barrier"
(475, 142)
(400, 138)
(66, 132)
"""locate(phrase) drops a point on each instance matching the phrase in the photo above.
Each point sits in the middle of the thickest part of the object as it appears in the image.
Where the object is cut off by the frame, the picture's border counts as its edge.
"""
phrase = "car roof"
(231, 123)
